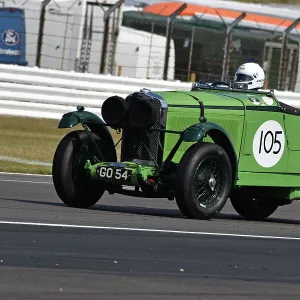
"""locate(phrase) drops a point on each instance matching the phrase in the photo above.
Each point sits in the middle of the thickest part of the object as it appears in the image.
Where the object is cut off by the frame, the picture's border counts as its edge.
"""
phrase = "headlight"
(114, 111)
(142, 113)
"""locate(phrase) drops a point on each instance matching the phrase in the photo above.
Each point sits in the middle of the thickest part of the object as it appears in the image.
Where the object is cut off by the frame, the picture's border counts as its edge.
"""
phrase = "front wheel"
(71, 183)
(250, 206)
(204, 179)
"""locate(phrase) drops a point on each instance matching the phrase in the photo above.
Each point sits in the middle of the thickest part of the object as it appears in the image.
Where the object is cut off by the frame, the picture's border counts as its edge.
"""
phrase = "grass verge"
(14, 167)
(30, 139)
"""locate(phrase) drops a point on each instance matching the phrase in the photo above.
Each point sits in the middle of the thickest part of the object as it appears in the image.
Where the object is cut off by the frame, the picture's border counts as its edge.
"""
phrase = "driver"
(251, 74)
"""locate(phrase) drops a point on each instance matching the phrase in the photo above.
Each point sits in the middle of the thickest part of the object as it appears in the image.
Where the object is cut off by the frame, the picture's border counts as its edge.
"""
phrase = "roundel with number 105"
(268, 144)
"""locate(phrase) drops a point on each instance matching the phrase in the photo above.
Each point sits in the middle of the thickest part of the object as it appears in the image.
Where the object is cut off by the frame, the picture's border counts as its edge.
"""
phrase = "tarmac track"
(130, 248)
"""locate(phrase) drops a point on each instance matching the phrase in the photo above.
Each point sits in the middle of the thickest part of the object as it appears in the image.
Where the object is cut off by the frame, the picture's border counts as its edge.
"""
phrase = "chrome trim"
(145, 90)
(163, 124)
(164, 103)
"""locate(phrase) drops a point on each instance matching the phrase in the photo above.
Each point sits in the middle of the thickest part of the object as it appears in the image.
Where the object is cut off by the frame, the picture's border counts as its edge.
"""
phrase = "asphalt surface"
(130, 248)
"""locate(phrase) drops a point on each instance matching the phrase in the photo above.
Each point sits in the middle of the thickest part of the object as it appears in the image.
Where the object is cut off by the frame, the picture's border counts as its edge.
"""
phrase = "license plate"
(114, 173)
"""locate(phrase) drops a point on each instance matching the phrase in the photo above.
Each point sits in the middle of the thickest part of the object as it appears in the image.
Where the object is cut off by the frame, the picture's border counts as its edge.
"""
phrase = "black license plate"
(114, 173)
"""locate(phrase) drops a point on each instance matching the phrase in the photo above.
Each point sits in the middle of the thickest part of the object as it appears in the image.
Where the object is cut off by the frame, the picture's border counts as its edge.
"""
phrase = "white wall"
(62, 32)
(54, 33)
(135, 57)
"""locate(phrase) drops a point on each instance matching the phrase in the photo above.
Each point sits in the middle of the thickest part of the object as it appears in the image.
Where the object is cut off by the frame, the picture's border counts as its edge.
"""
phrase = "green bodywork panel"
(292, 124)
(240, 116)
(73, 118)
(184, 111)
(247, 161)
(196, 132)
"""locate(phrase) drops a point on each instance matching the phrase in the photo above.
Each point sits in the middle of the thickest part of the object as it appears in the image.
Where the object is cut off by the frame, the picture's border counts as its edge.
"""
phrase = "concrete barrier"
(34, 92)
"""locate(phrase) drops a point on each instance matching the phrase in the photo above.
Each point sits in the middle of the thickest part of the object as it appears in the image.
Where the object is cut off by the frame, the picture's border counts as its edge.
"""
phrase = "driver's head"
(251, 74)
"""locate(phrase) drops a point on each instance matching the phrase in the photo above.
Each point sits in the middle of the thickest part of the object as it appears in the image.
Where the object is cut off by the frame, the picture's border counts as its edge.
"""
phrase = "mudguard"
(196, 132)
(219, 135)
(95, 123)
(73, 118)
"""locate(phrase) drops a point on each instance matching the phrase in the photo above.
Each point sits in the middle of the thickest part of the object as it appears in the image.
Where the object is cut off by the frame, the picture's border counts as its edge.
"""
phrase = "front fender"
(95, 123)
(73, 118)
(219, 135)
(196, 132)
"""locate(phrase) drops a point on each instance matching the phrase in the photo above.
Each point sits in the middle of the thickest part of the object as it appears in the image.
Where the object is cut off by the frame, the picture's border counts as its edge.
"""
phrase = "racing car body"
(200, 147)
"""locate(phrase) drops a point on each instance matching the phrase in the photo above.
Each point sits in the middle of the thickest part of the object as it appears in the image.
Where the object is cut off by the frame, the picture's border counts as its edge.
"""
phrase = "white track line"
(25, 181)
(25, 174)
(25, 161)
(153, 230)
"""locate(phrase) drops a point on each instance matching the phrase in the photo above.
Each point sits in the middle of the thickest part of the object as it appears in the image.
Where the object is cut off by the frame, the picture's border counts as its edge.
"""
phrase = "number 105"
(268, 147)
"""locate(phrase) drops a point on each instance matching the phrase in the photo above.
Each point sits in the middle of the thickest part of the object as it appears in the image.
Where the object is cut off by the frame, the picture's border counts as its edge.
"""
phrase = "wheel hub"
(212, 183)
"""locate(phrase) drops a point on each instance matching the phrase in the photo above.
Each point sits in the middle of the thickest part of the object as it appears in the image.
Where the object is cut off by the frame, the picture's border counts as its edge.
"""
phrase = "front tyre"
(71, 183)
(204, 179)
(250, 206)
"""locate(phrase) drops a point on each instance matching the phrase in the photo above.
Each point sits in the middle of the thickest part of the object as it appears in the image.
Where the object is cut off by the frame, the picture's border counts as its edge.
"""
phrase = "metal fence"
(211, 50)
(132, 43)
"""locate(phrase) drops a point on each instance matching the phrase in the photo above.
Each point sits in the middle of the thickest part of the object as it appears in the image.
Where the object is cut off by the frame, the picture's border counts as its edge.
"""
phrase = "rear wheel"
(204, 179)
(71, 182)
(250, 206)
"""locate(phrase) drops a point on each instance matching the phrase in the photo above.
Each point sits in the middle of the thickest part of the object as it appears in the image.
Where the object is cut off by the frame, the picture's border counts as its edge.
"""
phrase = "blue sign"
(12, 36)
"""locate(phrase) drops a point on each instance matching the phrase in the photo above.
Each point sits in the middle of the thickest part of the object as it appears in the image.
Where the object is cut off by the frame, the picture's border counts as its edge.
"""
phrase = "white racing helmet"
(251, 74)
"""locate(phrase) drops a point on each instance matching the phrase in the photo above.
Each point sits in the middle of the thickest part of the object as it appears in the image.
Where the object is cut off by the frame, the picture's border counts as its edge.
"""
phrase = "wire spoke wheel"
(204, 180)
(207, 183)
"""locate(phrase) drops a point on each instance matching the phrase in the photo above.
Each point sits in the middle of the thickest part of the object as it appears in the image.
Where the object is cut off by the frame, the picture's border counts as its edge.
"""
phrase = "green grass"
(30, 139)
(14, 167)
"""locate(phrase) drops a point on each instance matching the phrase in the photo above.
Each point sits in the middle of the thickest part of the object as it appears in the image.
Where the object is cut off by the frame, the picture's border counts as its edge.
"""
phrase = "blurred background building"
(204, 40)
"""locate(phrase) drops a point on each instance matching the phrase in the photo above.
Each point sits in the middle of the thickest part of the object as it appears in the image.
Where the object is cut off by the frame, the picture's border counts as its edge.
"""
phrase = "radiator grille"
(143, 146)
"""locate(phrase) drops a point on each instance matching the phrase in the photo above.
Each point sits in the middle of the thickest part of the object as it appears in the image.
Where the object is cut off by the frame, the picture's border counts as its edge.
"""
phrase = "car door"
(292, 127)
(264, 146)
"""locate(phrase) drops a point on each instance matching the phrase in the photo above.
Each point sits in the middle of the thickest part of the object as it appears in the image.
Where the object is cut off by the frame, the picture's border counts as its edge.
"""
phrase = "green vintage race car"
(199, 147)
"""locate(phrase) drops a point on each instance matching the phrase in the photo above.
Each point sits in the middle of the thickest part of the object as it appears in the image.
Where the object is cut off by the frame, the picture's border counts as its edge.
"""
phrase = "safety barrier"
(44, 93)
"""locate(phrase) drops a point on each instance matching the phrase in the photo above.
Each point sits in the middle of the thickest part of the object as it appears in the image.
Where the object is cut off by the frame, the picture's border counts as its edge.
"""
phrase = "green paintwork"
(184, 111)
(69, 120)
(196, 132)
(247, 161)
(239, 117)
(292, 124)
(73, 118)
(267, 179)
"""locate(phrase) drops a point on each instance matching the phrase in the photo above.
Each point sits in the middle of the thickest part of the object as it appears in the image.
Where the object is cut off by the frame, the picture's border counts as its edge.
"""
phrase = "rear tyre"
(204, 180)
(252, 207)
(72, 184)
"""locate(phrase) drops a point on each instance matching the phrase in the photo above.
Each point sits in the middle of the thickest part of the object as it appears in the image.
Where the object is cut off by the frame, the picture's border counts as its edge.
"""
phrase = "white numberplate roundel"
(268, 144)
(113, 173)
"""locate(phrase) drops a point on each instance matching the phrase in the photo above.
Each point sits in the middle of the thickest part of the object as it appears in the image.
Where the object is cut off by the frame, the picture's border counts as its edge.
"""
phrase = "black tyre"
(71, 182)
(250, 206)
(204, 179)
